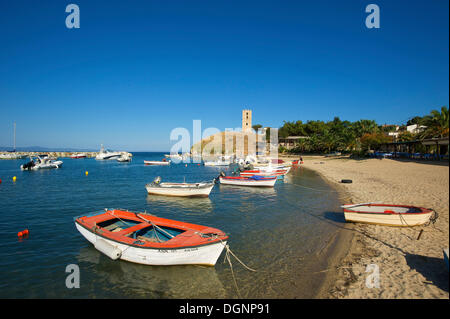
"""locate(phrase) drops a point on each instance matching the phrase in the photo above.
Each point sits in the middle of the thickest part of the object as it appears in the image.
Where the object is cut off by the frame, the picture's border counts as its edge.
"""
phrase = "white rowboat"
(389, 215)
(248, 181)
(179, 189)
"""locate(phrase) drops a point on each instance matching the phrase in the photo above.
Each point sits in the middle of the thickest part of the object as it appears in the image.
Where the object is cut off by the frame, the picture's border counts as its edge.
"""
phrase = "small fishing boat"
(146, 239)
(163, 162)
(40, 163)
(389, 215)
(175, 156)
(219, 162)
(262, 181)
(259, 172)
(79, 155)
(179, 189)
(125, 157)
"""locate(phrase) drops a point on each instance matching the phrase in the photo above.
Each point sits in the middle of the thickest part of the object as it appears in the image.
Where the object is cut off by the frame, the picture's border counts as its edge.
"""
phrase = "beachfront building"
(431, 148)
(291, 141)
(413, 129)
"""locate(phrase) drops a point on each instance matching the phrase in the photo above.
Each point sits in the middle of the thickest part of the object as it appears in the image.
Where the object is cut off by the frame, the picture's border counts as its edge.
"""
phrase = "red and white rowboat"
(82, 155)
(248, 181)
(150, 240)
(390, 215)
(257, 172)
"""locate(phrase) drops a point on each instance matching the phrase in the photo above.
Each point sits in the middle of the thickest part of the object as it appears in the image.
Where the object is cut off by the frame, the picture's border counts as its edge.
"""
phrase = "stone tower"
(246, 120)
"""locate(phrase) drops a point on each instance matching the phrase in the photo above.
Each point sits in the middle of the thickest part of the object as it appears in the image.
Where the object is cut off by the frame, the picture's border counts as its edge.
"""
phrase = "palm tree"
(436, 123)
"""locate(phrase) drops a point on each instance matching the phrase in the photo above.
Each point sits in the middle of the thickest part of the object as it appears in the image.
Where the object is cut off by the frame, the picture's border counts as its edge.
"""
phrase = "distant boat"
(201, 189)
(40, 163)
(124, 158)
(261, 172)
(260, 181)
(389, 215)
(107, 154)
(79, 155)
(157, 162)
(222, 161)
(174, 156)
(12, 156)
(146, 239)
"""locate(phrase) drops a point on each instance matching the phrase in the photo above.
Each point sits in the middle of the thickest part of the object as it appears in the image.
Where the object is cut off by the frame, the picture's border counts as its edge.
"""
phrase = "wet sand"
(408, 267)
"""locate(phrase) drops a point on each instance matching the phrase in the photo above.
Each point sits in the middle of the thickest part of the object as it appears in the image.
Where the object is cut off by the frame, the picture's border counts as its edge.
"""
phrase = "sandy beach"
(408, 267)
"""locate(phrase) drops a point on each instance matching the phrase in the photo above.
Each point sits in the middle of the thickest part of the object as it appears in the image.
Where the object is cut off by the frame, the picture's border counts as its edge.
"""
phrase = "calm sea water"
(284, 233)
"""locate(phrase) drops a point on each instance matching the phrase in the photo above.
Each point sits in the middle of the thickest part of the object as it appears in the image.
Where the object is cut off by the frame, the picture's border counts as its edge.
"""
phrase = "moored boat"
(79, 155)
(262, 181)
(107, 154)
(150, 240)
(389, 215)
(163, 162)
(258, 172)
(201, 189)
(40, 163)
(125, 157)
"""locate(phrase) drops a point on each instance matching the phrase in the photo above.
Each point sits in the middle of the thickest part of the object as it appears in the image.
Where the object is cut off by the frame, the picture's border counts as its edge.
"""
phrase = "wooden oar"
(356, 205)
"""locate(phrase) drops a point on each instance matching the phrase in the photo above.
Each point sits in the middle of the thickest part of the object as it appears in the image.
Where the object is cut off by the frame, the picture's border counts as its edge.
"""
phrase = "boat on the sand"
(150, 240)
(201, 189)
(389, 215)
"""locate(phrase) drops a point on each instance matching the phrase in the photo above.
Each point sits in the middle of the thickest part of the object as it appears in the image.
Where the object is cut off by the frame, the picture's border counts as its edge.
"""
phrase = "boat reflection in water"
(197, 204)
(126, 279)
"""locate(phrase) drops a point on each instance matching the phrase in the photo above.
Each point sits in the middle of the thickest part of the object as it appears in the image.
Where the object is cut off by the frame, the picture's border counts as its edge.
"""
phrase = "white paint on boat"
(203, 255)
(180, 189)
(390, 215)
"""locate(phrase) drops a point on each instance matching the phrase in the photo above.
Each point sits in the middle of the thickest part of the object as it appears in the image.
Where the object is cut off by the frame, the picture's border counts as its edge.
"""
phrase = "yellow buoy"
(14, 179)
(86, 173)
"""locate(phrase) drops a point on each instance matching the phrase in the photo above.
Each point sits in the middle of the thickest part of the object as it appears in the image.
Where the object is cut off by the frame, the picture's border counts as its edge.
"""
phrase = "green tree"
(436, 124)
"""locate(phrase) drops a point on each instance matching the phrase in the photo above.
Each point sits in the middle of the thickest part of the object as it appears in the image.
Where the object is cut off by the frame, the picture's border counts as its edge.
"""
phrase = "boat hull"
(266, 182)
(180, 191)
(200, 255)
(388, 215)
(56, 164)
(156, 163)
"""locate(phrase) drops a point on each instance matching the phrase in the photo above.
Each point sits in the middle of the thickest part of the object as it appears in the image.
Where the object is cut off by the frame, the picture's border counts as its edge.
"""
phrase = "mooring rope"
(315, 189)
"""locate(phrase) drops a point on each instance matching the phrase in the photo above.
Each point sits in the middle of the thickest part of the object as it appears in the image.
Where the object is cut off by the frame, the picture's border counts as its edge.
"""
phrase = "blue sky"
(135, 70)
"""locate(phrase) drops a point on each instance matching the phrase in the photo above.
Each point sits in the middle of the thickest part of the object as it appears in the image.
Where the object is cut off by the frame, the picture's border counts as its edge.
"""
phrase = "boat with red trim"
(389, 215)
(147, 239)
(255, 180)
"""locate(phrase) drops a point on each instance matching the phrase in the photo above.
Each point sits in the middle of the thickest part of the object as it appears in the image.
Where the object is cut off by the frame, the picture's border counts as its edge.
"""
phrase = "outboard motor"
(217, 179)
(28, 165)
